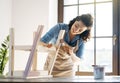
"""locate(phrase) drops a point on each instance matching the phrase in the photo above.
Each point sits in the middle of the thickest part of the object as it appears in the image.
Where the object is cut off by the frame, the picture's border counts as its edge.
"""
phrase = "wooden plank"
(34, 65)
(23, 47)
(19, 73)
(11, 52)
(33, 49)
(32, 74)
(60, 36)
(58, 44)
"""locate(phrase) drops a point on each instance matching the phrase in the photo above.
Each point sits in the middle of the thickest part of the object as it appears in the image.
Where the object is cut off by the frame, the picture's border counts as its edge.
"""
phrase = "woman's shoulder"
(63, 25)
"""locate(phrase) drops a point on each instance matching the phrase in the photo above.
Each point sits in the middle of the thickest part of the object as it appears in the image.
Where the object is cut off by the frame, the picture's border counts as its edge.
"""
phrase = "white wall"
(25, 16)
(5, 18)
(53, 12)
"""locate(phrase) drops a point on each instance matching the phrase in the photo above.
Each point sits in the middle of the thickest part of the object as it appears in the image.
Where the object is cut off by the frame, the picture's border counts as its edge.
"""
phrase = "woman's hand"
(66, 47)
(48, 45)
(45, 44)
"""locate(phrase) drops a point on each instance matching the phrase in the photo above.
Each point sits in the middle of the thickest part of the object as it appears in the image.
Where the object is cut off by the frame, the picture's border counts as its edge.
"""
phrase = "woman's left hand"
(67, 49)
(45, 44)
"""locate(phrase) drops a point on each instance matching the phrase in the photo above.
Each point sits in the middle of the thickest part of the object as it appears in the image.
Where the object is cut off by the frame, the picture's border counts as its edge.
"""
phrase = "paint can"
(99, 71)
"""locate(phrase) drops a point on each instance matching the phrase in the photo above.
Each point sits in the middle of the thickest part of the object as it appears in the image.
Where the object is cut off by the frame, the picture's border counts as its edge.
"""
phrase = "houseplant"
(4, 55)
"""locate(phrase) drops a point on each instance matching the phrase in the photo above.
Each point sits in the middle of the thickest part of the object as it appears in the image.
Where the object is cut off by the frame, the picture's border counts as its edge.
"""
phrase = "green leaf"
(3, 45)
(4, 42)
(8, 38)
(3, 54)
(0, 52)
(0, 56)
(1, 49)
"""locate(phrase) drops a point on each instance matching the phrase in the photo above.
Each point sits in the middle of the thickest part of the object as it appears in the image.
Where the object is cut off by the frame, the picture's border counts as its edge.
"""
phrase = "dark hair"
(87, 19)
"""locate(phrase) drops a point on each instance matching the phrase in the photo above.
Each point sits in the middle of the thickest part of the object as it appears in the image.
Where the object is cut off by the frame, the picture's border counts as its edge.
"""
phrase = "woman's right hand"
(48, 45)
(68, 49)
(45, 44)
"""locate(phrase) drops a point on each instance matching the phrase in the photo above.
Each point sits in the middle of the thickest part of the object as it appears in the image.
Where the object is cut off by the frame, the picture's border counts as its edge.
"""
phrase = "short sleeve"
(79, 52)
(51, 34)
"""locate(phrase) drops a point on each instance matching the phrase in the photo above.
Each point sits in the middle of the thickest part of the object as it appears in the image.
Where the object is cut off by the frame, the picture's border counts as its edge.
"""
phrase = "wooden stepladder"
(33, 49)
(27, 73)
(11, 52)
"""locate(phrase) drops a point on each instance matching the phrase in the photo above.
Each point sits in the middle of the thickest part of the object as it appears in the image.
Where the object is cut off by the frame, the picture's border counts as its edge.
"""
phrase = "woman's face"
(77, 28)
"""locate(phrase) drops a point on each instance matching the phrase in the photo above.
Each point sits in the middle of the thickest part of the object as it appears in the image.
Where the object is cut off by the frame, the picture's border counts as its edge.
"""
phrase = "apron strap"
(76, 47)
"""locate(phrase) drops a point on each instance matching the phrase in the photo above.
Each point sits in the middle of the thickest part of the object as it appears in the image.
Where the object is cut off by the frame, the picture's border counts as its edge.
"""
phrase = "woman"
(77, 32)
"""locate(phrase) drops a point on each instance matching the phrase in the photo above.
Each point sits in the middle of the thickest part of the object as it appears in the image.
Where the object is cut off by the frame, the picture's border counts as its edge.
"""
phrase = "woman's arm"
(79, 52)
(45, 44)
(52, 33)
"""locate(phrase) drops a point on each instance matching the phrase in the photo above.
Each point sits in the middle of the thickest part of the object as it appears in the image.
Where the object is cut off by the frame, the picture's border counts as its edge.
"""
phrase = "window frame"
(116, 25)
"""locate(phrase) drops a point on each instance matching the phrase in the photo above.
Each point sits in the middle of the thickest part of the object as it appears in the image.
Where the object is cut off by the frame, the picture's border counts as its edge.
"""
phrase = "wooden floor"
(76, 79)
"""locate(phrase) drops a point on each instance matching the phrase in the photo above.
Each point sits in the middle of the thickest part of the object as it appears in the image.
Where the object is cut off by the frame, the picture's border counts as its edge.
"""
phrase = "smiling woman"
(77, 32)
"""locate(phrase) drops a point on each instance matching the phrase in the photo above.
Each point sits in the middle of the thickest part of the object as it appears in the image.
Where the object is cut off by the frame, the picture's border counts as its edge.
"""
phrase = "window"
(101, 47)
